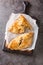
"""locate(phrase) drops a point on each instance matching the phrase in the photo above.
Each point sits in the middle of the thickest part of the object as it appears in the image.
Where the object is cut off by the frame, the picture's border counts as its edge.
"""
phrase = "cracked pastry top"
(21, 42)
(20, 25)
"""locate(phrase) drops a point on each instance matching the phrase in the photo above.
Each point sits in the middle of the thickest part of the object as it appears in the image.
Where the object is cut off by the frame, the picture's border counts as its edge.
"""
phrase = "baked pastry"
(21, 42)
(20, 25)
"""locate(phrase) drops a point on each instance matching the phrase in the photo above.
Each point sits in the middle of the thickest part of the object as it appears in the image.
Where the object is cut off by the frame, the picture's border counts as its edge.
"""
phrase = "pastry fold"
(21, 42)
(20, 25)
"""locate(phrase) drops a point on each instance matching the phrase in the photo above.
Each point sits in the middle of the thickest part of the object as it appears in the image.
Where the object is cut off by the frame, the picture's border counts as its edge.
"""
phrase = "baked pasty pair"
(23, 41)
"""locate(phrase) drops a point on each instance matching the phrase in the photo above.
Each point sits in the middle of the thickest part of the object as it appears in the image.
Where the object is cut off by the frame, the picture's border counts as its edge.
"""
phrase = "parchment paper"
(9, 35)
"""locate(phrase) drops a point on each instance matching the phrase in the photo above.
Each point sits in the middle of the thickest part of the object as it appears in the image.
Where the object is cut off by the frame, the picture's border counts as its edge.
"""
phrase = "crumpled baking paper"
(9, 35)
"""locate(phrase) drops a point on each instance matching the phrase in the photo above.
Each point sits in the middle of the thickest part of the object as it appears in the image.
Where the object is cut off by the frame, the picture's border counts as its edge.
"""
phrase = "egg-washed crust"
(21, 42)
(20, 25)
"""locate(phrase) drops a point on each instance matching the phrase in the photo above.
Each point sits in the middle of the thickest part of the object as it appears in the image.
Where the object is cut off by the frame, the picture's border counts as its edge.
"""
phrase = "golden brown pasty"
(20, 25)
(21, 42)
